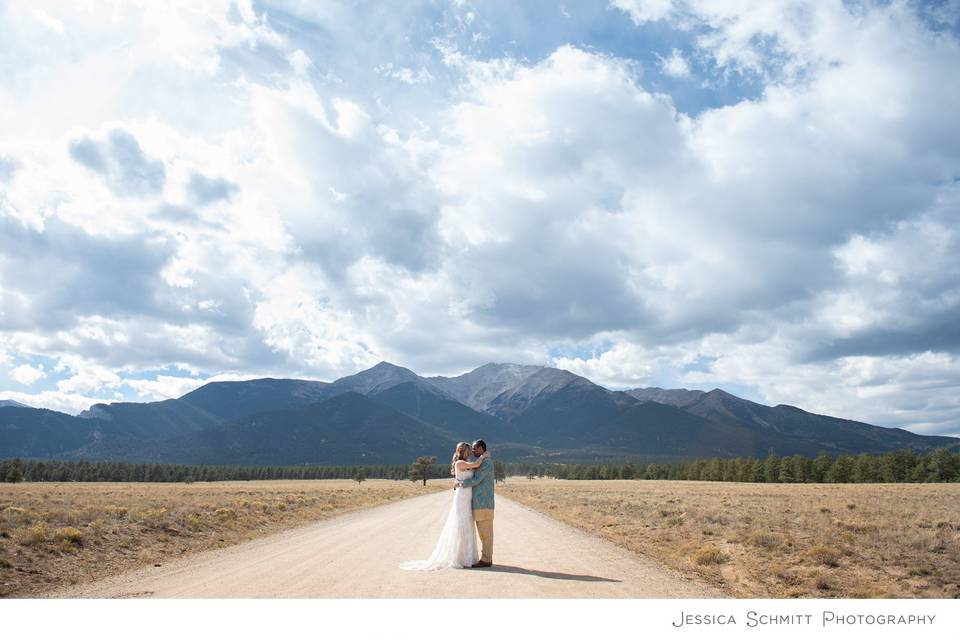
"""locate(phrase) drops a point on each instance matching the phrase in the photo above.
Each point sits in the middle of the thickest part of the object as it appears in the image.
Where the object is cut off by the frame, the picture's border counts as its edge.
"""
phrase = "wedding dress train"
(457, 546)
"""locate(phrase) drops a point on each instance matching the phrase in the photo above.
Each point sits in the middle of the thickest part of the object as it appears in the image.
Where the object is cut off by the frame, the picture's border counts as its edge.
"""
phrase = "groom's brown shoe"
(481, 565)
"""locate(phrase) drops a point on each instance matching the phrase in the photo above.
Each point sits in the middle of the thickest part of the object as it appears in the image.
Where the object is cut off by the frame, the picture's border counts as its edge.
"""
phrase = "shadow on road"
(552, 575)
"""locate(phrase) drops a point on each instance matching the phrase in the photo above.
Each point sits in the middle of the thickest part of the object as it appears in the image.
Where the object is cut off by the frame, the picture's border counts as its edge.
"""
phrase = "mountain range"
(389, 414)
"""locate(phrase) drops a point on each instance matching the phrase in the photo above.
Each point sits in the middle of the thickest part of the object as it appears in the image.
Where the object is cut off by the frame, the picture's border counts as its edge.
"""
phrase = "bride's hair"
(462, 452)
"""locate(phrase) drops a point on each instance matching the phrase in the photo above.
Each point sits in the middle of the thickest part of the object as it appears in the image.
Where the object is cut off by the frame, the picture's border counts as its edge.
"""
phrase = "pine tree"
(895, 466)
(942, 466)
(771, 468)
(820, 466)
(420, 469)
(786, 471)
(15, 471)
(802, 468)
(841, 470)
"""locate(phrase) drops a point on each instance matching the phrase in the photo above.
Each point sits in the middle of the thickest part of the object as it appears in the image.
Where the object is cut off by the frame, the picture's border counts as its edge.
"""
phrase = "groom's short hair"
(481, 444)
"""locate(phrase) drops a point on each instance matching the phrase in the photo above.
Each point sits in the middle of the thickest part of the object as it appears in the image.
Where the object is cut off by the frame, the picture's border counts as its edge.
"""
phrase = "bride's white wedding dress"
(457, 546)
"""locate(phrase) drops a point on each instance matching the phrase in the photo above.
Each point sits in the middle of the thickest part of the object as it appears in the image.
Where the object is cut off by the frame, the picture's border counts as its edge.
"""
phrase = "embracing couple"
(472, 506)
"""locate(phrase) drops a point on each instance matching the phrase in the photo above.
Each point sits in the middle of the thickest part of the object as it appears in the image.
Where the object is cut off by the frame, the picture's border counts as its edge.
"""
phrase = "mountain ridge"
(523, 411)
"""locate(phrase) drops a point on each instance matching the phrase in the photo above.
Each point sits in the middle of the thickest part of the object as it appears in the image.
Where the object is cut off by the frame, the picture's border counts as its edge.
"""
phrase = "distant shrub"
(765, 539)
(115, 511)
(822, 582)
(225, 513)
(824, 555)
(97, 526)
(152, 517)
(69, 534)
(710, 554)
(67, 547)
(37, 534)
(717, 518)
(17, 515)
(858, 527)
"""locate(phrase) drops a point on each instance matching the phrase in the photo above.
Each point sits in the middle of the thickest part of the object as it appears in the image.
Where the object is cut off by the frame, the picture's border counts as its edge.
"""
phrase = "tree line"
(905, 465)
(16, 470)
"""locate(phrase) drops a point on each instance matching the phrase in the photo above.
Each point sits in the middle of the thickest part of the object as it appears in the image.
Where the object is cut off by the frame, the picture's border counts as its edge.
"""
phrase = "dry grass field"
(774, 540)
(52, 534)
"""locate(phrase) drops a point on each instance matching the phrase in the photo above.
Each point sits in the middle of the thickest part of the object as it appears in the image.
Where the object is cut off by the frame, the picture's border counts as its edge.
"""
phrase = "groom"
(482, 503)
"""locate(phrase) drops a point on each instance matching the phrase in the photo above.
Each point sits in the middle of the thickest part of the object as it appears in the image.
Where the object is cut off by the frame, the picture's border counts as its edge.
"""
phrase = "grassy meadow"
(773, 540)
(58, 533)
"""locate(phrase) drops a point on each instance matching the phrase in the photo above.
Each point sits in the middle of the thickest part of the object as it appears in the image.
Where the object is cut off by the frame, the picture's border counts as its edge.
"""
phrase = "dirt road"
(357, 556)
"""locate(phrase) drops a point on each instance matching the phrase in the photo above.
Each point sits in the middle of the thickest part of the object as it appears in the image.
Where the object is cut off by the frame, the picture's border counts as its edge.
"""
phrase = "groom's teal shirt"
(482, 483)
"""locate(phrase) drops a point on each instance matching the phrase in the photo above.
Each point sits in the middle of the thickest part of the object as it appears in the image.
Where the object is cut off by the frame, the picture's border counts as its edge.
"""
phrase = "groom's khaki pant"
(484, 521)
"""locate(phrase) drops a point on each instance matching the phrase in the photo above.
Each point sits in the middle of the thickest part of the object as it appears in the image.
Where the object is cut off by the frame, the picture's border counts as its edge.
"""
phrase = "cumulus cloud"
(204, 190)
(55, 400)
(27, 375)
(641, 11)
(8, 166)
(121, 162)
(405, 74)
(81, 274)
(536, 167)
(675, 65)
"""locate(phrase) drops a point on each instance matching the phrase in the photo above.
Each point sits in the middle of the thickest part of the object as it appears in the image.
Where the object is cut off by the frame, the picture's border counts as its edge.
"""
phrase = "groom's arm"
(483, 472)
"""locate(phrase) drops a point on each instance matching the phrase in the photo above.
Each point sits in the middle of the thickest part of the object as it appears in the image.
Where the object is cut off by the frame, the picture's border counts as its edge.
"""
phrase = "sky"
(756, 195)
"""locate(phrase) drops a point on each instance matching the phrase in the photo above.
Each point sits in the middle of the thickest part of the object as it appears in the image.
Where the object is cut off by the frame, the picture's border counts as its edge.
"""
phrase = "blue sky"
(760, 196)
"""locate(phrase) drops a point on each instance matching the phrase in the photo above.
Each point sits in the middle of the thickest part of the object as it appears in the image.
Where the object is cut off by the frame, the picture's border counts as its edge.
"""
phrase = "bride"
(457, 546)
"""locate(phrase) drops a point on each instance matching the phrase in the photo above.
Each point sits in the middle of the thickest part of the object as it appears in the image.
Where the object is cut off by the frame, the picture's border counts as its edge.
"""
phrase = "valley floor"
(773, 540)
(598, 539)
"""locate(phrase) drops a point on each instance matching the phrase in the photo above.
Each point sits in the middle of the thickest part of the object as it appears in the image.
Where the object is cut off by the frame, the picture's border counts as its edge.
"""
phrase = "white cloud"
(71, 403)
(675, 65)
(85, 377)
(49, 22)
(296, 319)
(300, 61)
(641, 11)
(27, 374)
(405, 75)
(163, 387)
(622, 366)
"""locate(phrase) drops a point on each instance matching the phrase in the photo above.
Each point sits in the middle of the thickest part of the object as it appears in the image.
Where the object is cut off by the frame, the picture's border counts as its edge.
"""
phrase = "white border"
(422, 619)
